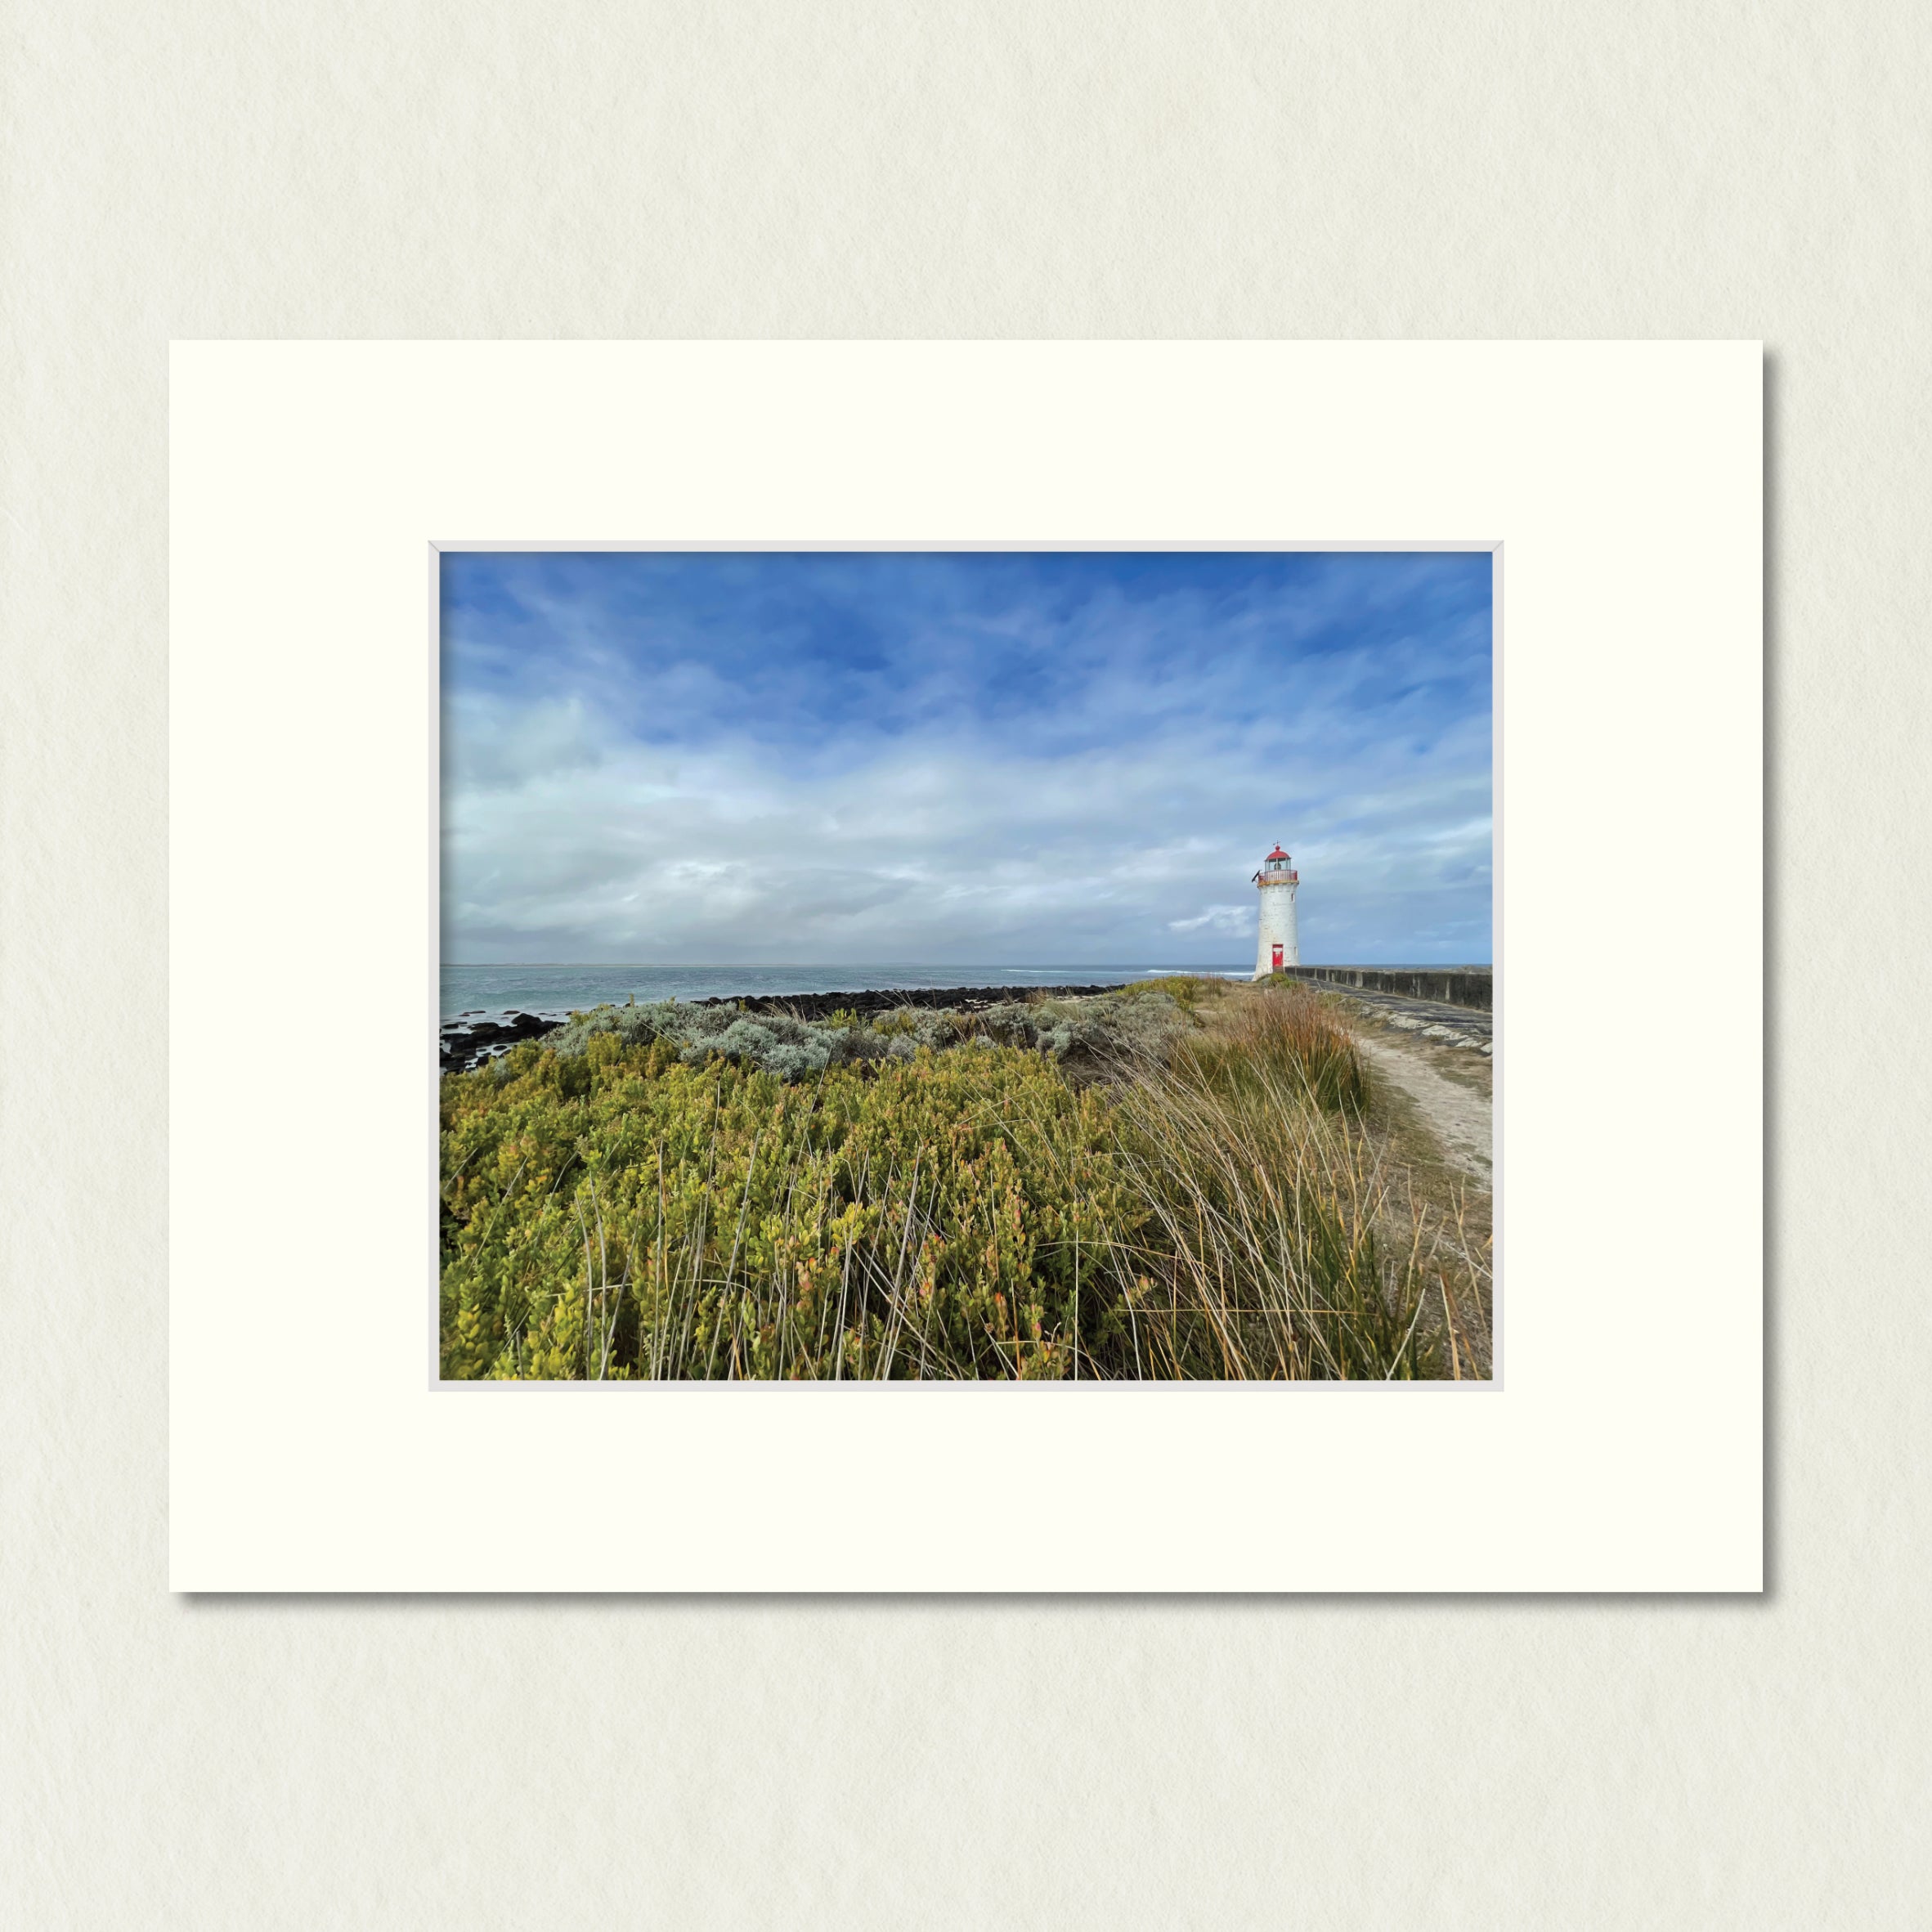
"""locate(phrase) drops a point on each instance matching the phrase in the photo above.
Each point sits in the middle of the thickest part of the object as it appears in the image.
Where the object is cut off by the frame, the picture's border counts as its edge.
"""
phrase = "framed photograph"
(965, 966)
(791, 1027)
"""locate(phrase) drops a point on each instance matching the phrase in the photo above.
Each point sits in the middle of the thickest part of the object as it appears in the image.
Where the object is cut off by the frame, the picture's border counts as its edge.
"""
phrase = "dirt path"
(1432, 1076)
(1454, 1105)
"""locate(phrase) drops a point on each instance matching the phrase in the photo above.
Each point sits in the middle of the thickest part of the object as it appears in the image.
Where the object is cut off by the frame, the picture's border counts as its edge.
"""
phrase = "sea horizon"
(555, 989)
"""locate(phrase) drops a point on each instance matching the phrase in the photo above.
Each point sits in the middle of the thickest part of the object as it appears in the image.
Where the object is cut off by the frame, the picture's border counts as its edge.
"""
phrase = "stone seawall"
(1452, 986)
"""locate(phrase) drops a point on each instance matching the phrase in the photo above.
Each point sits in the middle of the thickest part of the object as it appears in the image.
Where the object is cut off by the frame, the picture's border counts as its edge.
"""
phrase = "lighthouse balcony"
(1278, 878)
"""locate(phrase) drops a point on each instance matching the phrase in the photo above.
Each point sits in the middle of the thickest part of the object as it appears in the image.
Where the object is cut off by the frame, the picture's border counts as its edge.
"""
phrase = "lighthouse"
(1277, 880)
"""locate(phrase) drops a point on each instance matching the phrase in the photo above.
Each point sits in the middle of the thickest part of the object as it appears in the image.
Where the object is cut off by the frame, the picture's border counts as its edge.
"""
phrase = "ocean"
(489, 992)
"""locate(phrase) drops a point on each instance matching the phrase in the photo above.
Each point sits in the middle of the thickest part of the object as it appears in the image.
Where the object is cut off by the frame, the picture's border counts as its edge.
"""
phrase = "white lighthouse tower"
(1279, 947)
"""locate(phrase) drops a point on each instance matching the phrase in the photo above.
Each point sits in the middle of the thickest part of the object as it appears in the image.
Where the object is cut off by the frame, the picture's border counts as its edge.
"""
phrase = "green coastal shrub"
(940, 1218)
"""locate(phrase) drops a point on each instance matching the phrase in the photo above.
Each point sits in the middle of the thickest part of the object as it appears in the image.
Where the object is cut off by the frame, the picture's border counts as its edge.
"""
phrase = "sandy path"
(1457, 1113)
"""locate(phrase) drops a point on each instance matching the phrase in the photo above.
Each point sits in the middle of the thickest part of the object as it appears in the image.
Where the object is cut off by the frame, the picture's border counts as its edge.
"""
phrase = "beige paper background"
(205, 170)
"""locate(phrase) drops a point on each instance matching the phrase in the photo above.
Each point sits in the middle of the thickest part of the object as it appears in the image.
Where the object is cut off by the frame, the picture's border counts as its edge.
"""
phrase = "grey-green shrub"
(1140, 1024)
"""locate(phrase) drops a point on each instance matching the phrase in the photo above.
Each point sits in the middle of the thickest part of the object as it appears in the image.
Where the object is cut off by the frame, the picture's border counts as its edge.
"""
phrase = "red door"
(1277, 959)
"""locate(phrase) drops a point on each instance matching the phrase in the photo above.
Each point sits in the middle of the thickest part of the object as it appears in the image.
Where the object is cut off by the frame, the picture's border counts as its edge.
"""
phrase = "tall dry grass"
(1280, 1244)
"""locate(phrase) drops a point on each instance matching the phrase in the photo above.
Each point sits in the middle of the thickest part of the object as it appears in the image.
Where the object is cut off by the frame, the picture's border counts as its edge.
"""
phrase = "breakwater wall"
(1452, 986)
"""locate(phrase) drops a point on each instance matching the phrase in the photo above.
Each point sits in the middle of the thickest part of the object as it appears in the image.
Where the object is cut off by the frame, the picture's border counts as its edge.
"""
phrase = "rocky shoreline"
(465, 1046)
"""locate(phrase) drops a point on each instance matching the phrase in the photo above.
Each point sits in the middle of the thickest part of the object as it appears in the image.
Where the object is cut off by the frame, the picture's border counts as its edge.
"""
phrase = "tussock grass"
(1286, 1046)
(1277, 1245)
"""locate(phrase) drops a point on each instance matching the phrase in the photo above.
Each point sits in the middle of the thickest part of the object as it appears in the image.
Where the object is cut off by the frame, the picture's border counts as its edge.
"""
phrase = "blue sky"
(962, 758)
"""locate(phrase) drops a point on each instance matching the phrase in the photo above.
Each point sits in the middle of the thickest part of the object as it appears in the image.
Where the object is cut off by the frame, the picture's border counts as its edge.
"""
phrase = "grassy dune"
(1182, 1179)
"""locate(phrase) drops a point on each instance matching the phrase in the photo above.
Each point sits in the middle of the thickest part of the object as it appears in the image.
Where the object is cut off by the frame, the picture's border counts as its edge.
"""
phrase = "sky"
(962, 758)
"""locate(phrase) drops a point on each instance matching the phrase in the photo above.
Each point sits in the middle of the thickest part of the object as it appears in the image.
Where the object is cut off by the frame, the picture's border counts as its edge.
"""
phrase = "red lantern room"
(1277, 869)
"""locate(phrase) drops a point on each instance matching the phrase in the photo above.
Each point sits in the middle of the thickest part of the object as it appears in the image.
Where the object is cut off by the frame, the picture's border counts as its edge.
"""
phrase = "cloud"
(903, 761)
(1219, 919)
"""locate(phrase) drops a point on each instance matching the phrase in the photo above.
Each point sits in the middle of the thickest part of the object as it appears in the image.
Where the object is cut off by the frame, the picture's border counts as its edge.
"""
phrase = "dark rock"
(464, 1048)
